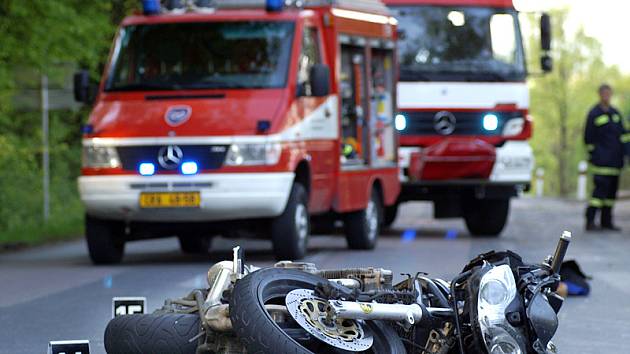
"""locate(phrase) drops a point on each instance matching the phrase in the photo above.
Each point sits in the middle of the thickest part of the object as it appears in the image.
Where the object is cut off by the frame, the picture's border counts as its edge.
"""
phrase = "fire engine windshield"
(459, 44)
(215, 55)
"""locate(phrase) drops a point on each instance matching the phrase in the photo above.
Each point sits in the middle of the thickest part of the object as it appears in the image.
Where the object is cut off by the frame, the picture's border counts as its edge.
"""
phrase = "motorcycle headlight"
(100, 157)
(503, 343)
(253, 154)
(497, 290)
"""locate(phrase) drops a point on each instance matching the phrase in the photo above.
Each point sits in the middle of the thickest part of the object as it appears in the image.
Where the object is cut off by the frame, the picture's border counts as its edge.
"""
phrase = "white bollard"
(540, 182)
(582, 180)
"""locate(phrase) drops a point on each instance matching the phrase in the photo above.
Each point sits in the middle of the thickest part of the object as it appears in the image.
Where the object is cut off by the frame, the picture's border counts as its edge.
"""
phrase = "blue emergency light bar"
(146, 169)
(154, 7)
(275, 5)
(190, 168)
(151, 7)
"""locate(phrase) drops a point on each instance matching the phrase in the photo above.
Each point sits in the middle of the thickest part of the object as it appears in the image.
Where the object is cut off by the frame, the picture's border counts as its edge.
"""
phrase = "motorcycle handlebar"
(561, 252)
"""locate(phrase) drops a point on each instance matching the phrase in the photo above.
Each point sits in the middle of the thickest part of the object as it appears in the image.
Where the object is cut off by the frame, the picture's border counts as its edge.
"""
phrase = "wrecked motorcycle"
(497, 305)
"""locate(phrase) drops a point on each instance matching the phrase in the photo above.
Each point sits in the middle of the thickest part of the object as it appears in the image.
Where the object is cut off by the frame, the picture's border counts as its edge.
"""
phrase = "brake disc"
(313, 314)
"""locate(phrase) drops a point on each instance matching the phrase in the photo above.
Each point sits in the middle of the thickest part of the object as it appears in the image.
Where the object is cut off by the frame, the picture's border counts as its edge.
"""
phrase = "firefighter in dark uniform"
(607, 140)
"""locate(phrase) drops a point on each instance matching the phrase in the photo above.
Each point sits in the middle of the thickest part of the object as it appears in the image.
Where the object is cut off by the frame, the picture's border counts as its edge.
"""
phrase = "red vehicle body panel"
(453, 158)
(482, 3)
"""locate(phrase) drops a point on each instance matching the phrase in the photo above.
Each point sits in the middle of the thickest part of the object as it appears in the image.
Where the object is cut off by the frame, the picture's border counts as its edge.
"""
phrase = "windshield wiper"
(215, 85)
(411, 74)
(494, 76)
(179, 86)
(144, 87)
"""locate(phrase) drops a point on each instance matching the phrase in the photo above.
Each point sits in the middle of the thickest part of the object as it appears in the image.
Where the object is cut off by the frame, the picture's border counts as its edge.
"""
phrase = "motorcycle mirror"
(543, 318)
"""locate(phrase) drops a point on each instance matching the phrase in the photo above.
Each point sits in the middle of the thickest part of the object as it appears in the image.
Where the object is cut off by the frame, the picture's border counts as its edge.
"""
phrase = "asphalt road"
(54, 293)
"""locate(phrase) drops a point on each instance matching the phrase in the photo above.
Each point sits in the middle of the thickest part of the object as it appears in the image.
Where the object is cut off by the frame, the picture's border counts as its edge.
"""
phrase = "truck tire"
(290, 231)
(260, 334)
(105, 240)
(363, 227)
(194, 244)
(486, 217)
(390, 214)
(155, 334)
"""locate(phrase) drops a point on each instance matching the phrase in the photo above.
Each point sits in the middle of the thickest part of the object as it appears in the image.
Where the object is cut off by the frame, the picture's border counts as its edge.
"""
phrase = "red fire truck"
(463, 108)
(242, 118)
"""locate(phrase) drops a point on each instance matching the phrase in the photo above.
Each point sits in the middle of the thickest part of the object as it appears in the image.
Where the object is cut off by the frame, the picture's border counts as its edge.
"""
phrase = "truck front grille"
(207, 157)
(466, 123)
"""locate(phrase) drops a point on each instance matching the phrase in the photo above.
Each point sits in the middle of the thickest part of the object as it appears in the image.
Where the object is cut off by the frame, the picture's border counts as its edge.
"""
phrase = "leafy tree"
(561, 100)
(42, 37)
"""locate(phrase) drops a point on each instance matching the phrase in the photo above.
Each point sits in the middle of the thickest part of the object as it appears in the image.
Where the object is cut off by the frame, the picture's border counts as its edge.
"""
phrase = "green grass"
(58, 228)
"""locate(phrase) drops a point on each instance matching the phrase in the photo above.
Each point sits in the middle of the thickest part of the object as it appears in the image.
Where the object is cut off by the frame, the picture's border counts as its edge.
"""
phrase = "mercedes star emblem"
(444, 123)
(170, 157)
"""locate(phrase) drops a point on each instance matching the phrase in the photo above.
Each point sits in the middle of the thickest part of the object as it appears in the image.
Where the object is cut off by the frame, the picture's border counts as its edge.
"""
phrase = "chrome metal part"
(370, 278)
(438, 311)
(348, 283)
(238, 268)
(410, 314)
(305, 267)
(315, 315)
(440, 340)
(219, 278)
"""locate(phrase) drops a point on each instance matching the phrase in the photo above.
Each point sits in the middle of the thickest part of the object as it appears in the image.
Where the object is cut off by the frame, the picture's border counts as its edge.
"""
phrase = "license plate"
(170, 200)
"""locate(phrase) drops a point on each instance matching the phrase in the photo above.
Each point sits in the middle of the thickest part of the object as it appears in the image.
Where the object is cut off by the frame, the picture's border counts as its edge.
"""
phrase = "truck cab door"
(319, 121)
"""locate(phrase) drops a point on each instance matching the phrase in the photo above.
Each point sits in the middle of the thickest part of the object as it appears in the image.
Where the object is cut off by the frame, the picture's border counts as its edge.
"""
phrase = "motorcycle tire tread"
(251, 326)
(154, 333)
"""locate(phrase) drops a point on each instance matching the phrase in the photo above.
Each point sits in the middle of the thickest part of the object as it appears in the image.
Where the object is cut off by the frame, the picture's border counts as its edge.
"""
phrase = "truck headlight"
(100, 157)
(514, 127)
(253, 154)
(497, 290)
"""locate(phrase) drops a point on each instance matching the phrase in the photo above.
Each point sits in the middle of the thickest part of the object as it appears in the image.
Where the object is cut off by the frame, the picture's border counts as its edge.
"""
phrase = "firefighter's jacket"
(607, 138)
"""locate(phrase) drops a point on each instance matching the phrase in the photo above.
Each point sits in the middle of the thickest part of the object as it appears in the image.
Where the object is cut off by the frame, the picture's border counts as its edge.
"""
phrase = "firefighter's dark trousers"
(604, 197)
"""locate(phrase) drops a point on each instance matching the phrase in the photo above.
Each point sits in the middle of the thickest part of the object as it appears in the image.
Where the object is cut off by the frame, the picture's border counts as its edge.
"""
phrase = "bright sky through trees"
(605, 20)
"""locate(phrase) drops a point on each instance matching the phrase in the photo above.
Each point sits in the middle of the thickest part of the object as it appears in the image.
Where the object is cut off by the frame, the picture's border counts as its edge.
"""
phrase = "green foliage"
(561, 100)
(38, 37)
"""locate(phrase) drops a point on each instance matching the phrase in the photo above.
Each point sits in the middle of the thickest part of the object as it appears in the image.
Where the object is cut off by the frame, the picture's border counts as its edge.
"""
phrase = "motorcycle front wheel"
(261, 334)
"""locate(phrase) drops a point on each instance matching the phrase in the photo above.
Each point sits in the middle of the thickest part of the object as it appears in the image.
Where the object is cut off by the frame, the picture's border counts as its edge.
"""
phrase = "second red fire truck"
(242, 118)
(464, 108)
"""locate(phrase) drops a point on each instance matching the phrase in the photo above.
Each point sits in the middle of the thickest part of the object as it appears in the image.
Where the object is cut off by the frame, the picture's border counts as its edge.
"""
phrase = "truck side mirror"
(320, 80)
(546, 61)
(545, 32)
(82, 87)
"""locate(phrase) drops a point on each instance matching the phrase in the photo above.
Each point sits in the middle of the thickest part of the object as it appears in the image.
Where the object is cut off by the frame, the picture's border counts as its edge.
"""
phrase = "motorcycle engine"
(369, 278)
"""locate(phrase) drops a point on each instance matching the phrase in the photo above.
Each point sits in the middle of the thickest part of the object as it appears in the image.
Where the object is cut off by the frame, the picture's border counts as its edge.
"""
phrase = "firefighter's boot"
(607, 220)
(591, 212)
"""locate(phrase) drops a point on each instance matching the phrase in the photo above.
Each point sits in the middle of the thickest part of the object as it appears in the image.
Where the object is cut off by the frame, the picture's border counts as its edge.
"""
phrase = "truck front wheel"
(390, 214)
(486, 217)
(363, 227)
(290, 231)
(105, 240)
(195, 244)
